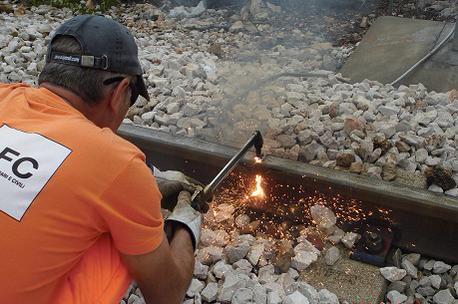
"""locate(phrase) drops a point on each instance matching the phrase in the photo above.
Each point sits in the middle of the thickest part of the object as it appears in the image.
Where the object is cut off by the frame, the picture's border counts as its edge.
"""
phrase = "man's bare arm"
(164, 274)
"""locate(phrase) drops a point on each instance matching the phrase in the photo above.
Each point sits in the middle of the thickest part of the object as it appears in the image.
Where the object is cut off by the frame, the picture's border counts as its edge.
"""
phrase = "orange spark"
(259, 192)
(257, 160)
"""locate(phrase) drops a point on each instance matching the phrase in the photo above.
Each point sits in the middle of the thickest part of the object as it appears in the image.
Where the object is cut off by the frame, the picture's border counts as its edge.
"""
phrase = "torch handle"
(256, 141)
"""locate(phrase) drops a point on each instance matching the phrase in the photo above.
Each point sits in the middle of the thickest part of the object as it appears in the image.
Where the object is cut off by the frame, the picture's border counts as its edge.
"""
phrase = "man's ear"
(118, 96)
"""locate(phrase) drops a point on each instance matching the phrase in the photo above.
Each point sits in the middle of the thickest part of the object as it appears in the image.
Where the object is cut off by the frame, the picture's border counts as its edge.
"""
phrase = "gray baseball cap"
(106, 45)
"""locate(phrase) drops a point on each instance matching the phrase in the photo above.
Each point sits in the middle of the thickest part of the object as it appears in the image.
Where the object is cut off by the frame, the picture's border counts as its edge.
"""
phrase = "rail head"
(387, 194)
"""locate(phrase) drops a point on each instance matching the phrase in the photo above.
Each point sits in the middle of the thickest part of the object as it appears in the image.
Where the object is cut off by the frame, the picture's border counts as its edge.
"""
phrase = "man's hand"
(178, 176)
(169, 191)
(172, 182)
(184, 215)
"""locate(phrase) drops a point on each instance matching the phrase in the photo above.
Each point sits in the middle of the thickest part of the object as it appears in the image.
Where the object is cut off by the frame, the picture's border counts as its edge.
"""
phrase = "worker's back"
(63, 182)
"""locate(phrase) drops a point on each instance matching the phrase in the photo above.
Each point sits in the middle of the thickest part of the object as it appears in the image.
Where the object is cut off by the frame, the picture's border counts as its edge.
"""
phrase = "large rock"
(421, 155)
(243, 266)
(429, 265)
(190, 122)
(399, 286)
(232, 283)
(395, 297)
(266, 274)
(190, 109)
(393, 273)
(336, 236)
(303, 259)
(443, 297)
(210, 237)
(236, 251)
(209, 255)
(414, 258)
(349, 239)
(210, 292)
(309, 152)
(440, 267)
(345, 159)
(323, 216)
(426, 291)
(332, 256)
(287, 282)
(309, 292)
(242, 220)
(273, 298)
(173, 107)
(412, 140)
(194, 288)
(242, 296)
(352, 123)
(410, 268)
(259, 294)
(327, 297)
(286, 141)
(293, 273)
(255, 253)
(200, 270)
(305, 245)
(220, 269)
(425, 281)
(44, 28)
(237, 26)
(435, 280)
(295, 298)
(388, 110)
(223, 213)
(187, 12)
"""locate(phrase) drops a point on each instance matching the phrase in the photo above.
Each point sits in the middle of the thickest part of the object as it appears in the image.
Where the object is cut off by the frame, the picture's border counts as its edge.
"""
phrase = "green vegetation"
(77, 5)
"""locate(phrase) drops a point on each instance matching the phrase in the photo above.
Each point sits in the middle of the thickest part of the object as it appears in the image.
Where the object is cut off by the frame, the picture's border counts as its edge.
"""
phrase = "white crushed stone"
(309, 119)
(393, 273)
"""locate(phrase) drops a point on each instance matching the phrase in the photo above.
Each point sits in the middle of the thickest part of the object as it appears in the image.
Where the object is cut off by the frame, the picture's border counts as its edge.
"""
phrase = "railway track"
(421, 221)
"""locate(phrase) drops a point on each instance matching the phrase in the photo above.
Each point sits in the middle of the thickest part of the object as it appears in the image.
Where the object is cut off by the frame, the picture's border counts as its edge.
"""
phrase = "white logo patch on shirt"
(27, 162)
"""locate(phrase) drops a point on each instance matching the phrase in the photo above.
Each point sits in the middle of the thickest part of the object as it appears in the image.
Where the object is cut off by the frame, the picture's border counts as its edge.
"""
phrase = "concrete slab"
(392, 45)
(349, 280)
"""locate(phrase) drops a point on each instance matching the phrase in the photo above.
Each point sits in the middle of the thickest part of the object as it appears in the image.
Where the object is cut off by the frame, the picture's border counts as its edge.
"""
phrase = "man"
(80, 209)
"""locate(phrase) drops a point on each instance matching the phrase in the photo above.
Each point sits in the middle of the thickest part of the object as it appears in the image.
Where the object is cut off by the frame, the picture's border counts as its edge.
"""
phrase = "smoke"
(280, 45)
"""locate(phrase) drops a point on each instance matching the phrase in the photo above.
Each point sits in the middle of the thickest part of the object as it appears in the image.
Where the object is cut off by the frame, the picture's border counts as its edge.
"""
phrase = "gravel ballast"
(219, 78)
(218, 84)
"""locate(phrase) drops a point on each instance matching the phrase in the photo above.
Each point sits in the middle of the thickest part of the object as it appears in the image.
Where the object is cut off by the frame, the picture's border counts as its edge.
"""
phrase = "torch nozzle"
(255, 141)
(258, 142)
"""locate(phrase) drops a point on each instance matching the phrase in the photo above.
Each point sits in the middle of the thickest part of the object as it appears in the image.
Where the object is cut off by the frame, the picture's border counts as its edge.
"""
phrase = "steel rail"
(428, 222)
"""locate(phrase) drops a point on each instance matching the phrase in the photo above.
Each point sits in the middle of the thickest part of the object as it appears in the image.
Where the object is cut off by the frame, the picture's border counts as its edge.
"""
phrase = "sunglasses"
(133, 88)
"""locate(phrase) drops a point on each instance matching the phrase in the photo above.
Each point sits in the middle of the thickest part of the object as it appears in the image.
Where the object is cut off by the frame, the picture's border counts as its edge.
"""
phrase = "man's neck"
(68, 96)
(88, 110)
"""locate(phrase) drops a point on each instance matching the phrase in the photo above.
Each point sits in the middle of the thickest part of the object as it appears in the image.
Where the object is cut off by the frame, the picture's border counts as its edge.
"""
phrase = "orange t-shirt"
(63, 183)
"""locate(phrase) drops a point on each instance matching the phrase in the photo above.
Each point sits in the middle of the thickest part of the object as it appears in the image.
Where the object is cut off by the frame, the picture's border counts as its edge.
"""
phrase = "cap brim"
(142, 87)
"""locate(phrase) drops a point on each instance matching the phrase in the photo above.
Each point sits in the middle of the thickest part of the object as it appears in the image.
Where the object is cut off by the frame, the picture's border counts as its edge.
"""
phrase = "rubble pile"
(416, 279)
(232, 267)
